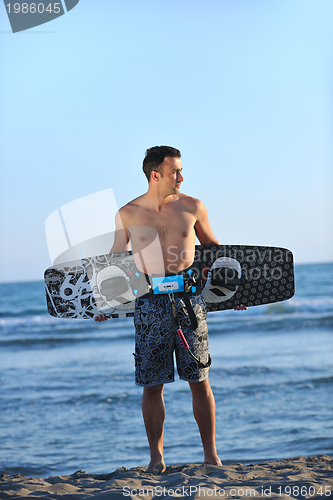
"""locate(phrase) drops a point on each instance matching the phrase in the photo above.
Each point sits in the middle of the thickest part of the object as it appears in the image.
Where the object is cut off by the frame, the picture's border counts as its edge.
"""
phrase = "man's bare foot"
(156, 469)
(213, 461)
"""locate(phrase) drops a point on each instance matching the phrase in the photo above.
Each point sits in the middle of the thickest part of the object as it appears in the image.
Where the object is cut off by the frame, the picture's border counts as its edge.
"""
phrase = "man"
(177, 219)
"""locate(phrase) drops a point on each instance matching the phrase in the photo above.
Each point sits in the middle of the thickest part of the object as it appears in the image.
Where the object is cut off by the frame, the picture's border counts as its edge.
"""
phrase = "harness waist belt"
(183, 282)
(164, 284)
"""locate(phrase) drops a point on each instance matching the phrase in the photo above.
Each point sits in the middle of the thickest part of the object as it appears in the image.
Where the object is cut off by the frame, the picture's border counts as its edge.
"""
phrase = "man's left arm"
(202, 227)
(206, 236)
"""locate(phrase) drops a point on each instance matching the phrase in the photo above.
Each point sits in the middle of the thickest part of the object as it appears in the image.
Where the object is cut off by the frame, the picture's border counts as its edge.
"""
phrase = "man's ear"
(155, 176)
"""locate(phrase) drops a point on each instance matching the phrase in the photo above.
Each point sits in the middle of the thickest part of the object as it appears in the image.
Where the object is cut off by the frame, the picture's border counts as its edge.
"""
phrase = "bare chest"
(168, 224)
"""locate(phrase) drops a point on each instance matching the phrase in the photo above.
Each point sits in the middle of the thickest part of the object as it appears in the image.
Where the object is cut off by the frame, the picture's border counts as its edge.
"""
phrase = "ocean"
(68, 399)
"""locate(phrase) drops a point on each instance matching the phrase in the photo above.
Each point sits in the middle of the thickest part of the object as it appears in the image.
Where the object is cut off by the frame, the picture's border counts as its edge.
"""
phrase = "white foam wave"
(45, 321)
(32, 321)
(294, 306)
(321, 305)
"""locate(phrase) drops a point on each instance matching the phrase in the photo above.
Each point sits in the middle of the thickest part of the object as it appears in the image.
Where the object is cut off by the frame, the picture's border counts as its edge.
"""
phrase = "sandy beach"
(302, 477)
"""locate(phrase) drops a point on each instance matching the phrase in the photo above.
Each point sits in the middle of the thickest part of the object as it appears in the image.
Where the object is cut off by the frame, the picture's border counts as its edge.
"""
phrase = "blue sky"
(242, 87)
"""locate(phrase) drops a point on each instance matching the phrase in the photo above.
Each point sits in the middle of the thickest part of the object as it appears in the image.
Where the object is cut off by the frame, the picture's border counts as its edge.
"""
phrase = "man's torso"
(162, 241)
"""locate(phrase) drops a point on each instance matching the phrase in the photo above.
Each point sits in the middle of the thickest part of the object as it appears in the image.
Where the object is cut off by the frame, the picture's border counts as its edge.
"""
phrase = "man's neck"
(158, 200)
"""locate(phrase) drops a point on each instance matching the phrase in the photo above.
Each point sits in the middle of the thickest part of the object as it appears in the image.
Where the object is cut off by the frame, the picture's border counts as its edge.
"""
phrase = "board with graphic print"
(225, 275)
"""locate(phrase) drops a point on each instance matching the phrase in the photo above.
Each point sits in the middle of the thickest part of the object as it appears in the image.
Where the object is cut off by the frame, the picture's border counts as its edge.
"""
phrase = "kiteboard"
(225, 275)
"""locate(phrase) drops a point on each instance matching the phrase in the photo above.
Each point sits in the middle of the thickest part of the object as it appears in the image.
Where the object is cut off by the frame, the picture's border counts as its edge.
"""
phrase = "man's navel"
(185, 234)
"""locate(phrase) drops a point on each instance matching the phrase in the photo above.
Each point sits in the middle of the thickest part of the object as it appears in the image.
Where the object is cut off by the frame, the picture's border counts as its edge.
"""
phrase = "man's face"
(171, 178)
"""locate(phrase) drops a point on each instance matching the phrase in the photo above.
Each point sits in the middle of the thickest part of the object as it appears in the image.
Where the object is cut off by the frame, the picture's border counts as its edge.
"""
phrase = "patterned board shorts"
(156, 339)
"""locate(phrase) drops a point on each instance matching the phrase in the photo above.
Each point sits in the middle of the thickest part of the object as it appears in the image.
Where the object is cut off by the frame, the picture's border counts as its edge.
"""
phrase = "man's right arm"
(121, 236)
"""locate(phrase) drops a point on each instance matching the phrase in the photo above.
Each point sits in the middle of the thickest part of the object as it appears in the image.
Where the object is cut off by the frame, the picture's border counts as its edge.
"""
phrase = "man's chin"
(175, 190)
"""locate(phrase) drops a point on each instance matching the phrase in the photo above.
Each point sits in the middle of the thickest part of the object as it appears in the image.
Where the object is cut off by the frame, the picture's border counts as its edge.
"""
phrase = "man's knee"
(202, 387)
(154, 391)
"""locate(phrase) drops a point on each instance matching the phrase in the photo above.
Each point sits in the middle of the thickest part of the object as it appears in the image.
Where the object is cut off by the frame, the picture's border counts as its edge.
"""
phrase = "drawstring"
(179, 330)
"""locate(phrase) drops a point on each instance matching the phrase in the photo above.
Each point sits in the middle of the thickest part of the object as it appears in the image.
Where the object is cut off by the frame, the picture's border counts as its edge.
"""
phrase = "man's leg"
(204, 414)
(153, 411)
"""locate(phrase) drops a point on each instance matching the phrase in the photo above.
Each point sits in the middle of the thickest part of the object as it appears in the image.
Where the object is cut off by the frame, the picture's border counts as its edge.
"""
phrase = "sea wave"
(292, 306)
(306, 308)
(45, 321)
(46, 330)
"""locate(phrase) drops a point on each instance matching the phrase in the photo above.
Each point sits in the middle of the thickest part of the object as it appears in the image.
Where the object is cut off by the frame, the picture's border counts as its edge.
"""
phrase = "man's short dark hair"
(155, 157)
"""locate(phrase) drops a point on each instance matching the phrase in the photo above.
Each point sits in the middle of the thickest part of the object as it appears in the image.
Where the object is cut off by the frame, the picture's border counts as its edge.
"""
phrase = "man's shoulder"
(132, 205)
(192, 204)
(130, 209)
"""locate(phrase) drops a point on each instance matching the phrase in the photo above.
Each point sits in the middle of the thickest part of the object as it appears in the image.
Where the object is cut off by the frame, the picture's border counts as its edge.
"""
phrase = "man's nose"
(180, 177)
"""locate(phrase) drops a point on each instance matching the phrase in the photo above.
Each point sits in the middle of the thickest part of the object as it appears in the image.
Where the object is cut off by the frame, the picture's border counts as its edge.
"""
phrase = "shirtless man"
(177, 219)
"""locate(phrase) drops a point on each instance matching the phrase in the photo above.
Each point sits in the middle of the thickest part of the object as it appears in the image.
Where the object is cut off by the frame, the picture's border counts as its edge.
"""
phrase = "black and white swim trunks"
(156, 339)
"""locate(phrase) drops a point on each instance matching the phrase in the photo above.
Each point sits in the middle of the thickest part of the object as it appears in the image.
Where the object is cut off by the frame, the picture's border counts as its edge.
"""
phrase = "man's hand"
(100, 318)
(241, 308)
